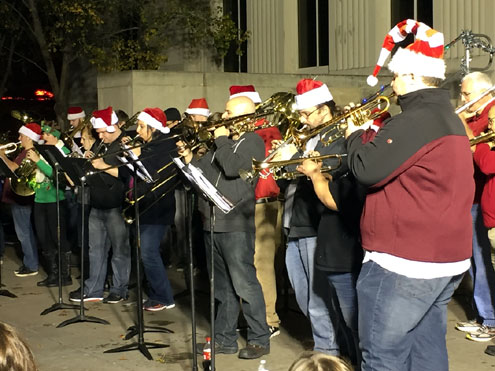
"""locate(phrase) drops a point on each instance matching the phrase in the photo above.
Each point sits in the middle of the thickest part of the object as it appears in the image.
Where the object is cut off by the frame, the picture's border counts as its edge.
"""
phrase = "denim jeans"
(345, 310)
(25, 233)
(160, 289)
(482, 271)
(403, 321)
(235, 278)
(107, 228)
(312, 293)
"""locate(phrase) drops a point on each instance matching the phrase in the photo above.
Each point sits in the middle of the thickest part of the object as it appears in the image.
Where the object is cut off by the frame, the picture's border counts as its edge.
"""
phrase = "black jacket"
(221, 166)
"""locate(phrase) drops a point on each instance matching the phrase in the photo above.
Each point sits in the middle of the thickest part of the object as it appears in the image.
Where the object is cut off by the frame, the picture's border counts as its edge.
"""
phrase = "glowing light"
(41, 93)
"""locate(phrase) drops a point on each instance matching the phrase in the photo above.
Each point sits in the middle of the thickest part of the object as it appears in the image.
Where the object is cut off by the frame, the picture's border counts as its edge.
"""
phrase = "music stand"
(5, 171)
(214, 198)
(76, 170)
(51, 155)
(139, 330)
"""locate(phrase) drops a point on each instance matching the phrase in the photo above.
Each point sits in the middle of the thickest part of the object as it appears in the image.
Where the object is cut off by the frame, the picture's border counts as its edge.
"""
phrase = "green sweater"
(45, 192)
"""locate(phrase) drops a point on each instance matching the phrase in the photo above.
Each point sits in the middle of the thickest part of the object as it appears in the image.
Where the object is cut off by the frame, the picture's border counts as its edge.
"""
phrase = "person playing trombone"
(157, 207)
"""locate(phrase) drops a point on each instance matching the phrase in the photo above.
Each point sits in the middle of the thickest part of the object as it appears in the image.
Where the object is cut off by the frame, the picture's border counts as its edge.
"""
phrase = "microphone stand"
(140, 345)
(81, 317)
(60, 304)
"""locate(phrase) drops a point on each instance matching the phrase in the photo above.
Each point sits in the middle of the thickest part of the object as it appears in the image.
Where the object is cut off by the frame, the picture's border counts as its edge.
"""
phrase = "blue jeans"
(312, 294)
(24, 231)
(235, 278)
(345, 310)
(160, 289)
(403, 321)
(482, 271)
(107, 228)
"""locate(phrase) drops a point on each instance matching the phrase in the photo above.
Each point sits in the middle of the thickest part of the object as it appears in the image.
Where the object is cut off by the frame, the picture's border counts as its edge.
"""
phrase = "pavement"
(81, 346)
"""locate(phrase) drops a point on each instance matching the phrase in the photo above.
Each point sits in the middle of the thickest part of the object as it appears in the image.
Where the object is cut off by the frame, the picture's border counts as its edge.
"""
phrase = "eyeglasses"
(307, 115)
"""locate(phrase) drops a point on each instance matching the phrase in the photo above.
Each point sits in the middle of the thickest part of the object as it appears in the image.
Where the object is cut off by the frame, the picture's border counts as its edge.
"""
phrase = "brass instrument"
(128, 211)
(68, 138)
(475, 100)
(335, 128)
(131, 121)
(279, 105)
(25, 178)
(21, 116)
(10, 147)
(277, 168)
(483, 138)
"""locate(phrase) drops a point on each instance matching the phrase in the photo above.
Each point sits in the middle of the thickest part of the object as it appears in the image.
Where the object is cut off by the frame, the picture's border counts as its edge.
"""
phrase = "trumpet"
(483, 138)
(277, 168)
(10, 147)
(335, 128)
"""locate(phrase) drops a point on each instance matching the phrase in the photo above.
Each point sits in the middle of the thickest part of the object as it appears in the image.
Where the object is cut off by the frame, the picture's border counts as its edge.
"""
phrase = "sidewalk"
(80, 346)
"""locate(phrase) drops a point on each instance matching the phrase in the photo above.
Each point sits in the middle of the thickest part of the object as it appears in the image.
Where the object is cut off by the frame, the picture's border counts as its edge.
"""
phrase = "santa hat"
(245, 91)
(311, 93)
(105, 119)
(155, 118)
(424, 57)
(198, 107)
(75, 113)
(31, 130)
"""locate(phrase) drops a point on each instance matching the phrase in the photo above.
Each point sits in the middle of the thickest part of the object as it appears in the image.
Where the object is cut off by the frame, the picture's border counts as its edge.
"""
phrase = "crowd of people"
(379, 231)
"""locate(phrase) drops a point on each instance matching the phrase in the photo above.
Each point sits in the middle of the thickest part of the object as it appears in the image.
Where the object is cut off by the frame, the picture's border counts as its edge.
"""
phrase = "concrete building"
(336, 41)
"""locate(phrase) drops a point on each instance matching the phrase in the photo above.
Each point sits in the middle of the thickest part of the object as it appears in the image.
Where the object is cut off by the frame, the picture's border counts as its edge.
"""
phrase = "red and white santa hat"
(155, 118)
(424, 57)
(245, 91)
(198, 107)
(31, 130)
(311, 93)
(105, 119)
(75, 113)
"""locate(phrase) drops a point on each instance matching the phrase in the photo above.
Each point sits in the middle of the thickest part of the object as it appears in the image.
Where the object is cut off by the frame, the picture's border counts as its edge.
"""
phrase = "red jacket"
(485, 159)
(266, 186)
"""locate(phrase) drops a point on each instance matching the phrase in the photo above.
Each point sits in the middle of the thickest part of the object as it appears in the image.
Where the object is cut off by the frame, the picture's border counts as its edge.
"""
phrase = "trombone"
(476, 100)
(482, 138)
(279, 171)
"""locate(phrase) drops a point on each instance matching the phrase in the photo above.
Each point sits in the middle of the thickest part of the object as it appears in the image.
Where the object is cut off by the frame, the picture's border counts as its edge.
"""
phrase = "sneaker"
(484, 333)
(153, 306)
(468, 326)
(274, 331)
(219, 349)
(253, 351)
(24, 271)
(76, 297)
(113, 298)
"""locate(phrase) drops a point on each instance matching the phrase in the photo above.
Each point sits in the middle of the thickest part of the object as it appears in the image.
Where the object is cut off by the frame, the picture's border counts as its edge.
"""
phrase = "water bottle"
(207, 354)
(262, 365)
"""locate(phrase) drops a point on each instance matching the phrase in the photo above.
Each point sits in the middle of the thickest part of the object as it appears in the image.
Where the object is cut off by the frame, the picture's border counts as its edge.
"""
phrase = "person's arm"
(312, 169)
(99, 164)
(485, 158)
(233, 156)
(11, 164)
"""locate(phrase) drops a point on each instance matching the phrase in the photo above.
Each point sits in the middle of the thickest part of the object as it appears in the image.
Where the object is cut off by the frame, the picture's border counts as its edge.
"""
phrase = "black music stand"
(52, 155)
(5, 171)
(214, 198)
(76, 170)
(139, 329)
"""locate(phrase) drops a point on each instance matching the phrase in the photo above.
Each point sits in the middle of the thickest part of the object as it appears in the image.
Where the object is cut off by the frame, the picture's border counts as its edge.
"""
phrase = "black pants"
(45, 221)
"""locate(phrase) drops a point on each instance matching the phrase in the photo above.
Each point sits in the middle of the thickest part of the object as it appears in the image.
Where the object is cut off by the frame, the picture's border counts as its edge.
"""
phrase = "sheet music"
(194, 175)
(142, 173)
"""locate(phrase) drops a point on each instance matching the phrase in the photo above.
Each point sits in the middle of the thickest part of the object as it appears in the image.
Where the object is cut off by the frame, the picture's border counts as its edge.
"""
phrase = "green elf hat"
(48, 129)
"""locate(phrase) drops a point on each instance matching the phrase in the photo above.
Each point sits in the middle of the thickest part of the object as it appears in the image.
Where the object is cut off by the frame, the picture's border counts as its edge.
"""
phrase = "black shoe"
(75, 296)
(490, 350)
(52, 281)
(274, 331)
(253, 351)
(113, 298)
(219, 349)
(24, 271)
